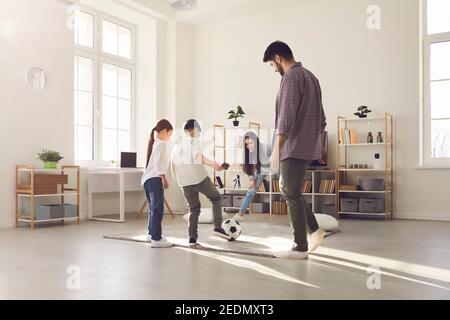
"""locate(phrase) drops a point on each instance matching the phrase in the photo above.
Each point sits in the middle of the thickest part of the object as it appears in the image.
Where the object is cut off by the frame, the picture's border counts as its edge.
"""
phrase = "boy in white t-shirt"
(188, 165)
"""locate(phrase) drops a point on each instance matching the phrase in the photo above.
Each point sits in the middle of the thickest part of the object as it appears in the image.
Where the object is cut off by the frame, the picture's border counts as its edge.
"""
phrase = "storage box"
(367, 205)
(226, 200)
(237, 201)
(49, 211)
(348, 187)
(262, 207)
(50, 179)
(70, 210)
(329, 209)
(371, 184)
(349, 205)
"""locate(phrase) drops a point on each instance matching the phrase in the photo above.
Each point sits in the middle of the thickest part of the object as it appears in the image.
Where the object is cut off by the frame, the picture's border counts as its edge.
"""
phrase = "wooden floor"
(413, 258)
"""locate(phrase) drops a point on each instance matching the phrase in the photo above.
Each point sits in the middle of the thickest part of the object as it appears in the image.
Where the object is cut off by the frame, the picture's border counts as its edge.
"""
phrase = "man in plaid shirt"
(300, 123)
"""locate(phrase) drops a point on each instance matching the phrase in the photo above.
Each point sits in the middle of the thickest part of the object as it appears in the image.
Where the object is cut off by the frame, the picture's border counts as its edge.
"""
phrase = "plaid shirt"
(300, 115)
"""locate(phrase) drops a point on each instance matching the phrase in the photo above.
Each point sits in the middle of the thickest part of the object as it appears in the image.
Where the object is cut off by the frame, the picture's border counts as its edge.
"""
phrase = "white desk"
(106, 180)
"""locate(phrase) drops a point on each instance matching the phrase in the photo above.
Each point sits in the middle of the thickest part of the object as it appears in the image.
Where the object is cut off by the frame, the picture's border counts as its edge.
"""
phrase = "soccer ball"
(232, 228)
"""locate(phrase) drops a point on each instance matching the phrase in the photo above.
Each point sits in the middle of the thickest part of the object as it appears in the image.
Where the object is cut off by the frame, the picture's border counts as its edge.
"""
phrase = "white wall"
(33, 33)
(354, 64)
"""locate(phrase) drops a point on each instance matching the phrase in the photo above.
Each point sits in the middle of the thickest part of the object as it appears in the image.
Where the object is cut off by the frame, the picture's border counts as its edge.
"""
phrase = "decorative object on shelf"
(236, 114)
(369, 137)
(37, 78)
(237, 182)
(380, 137)
(377, 161)
(362, 112)
(50, 158)
(219, 182)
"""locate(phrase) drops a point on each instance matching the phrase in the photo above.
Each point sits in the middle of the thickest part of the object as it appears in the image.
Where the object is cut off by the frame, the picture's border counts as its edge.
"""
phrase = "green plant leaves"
(236, 114)
(49, 156)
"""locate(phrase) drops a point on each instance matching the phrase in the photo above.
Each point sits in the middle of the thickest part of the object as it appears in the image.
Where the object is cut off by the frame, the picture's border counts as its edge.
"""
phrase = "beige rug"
(257, 239)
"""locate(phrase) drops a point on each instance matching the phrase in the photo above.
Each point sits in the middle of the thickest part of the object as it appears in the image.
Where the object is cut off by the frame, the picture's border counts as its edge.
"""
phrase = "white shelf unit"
(221, 154)
(364, 150)
(27, 190)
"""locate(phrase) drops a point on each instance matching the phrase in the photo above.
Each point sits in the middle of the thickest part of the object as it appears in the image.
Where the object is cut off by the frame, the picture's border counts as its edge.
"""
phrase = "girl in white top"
(154, 181)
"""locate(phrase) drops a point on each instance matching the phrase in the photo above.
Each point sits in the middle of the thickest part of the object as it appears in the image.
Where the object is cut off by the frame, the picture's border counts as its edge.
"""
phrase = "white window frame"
(99, 57)
(428, 39)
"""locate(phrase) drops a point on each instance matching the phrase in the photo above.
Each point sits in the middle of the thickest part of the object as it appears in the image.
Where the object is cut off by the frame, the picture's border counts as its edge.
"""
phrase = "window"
(436, 143)
(104, 70)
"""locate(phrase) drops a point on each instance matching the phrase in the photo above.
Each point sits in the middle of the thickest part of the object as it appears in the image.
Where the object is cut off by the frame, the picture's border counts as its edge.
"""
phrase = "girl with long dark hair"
(256, 166)
(154, 180)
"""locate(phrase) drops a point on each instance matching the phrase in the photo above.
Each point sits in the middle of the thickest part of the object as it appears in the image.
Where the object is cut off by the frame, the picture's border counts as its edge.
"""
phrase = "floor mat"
(257, 239)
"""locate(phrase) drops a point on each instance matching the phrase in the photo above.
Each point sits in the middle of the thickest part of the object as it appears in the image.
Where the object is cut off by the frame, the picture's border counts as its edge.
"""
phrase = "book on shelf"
(261, 188)
(307, 186)
(276, 185)
(327, 186)
(348, 136)
(279, 207)
(266, 185)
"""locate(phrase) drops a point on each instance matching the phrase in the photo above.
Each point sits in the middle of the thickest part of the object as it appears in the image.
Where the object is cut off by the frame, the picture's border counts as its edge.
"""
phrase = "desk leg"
(122, 197)
(169, 208)
(144, 205)
(90, 204)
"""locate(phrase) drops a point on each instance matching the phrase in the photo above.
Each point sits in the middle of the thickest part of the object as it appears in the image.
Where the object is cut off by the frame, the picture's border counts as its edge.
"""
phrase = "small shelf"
(365, 213)
(49, 195)
(360, 191)
(234, 190)
(41, 170)
(324, 194)
(25, 219)
(363, 119)
(32, 184)
(363, 144)
(363, 170)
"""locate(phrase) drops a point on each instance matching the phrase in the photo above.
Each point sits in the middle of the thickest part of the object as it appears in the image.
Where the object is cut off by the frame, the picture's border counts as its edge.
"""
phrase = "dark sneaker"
(221, 234)
(192, 242)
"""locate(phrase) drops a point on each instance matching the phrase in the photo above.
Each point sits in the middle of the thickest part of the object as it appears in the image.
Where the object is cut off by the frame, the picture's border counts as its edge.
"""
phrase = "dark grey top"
(300, 115)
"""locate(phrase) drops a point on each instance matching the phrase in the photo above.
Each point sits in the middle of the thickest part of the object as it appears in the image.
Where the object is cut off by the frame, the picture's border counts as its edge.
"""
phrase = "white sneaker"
(238, 217)
(315, 239)
(149, 238)
(291, 254)
(163, 243)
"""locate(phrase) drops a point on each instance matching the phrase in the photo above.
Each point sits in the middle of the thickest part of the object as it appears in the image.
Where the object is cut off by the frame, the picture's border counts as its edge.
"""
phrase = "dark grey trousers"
(300, 214)
(191, 193)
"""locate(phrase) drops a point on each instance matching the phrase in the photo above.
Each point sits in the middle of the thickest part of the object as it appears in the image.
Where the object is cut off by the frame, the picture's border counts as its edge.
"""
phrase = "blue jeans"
(258, 178)
(154, 191)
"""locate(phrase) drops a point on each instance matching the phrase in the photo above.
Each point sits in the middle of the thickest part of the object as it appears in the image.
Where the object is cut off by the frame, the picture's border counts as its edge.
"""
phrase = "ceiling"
(213, 10)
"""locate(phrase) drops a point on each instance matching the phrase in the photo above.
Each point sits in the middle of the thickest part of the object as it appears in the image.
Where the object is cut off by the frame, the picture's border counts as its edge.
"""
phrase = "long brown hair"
(160, 126)
(252, 162)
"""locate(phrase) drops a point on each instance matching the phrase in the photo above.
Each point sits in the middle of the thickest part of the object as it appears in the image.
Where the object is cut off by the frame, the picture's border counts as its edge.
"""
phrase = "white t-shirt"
(187, 170)
(159, 161)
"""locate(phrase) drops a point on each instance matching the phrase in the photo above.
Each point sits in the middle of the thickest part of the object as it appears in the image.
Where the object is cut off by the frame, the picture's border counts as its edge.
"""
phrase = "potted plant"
(362, 112)
(50, 158)
(236, 114)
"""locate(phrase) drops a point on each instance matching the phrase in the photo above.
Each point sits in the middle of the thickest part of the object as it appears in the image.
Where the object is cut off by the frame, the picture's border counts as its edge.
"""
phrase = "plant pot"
(363, 116)
(236, 123)
(50, 164)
